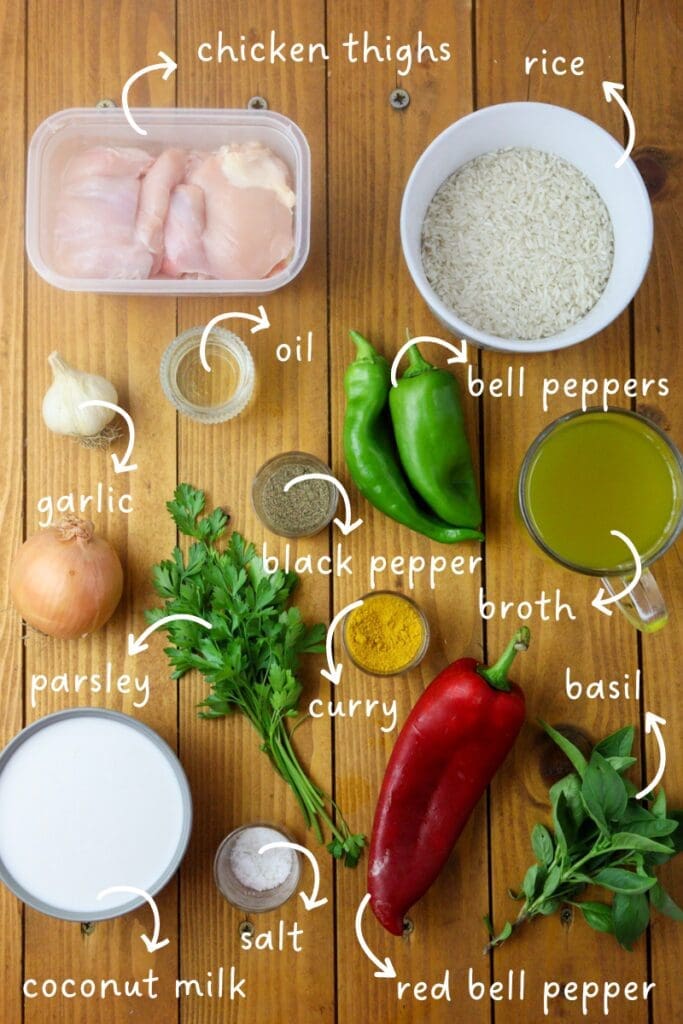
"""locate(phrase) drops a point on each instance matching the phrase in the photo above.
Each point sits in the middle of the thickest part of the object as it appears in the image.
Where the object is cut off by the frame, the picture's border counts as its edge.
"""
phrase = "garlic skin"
(69, 388)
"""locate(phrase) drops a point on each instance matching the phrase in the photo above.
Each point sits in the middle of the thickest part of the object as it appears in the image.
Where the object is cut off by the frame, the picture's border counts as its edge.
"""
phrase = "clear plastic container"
(68, 131)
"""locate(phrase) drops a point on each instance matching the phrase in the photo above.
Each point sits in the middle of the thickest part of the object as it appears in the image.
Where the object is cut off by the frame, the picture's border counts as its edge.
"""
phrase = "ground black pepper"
(304, 508)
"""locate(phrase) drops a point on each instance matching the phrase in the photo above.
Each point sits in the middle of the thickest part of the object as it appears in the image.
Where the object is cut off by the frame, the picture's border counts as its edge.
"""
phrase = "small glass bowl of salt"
(253, 880)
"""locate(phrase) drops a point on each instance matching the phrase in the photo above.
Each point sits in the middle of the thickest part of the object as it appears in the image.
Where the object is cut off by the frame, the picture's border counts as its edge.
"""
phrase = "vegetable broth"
(600, 472)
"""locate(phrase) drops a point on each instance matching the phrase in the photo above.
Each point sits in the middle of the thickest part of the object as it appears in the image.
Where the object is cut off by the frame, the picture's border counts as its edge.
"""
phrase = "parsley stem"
(250, 657)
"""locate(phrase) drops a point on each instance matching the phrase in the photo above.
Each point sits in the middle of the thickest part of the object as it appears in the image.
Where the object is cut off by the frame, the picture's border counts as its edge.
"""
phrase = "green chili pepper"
(430, 434)
(371, 453)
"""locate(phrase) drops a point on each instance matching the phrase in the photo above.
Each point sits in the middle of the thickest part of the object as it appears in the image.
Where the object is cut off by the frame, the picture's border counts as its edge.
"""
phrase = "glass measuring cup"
(591, 483)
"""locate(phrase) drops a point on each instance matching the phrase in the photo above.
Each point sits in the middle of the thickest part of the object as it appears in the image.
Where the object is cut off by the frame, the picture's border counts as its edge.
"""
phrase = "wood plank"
(77, 54)
(372, 151)
(653, 88)
(232, 780)
(12, 149)
(593, 645)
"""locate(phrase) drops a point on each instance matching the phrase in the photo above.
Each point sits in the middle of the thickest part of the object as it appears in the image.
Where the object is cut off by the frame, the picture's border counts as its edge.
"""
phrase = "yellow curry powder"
(384, 634)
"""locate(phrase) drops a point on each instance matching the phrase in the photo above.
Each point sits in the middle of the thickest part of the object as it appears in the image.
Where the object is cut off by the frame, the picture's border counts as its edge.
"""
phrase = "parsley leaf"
(250, 658)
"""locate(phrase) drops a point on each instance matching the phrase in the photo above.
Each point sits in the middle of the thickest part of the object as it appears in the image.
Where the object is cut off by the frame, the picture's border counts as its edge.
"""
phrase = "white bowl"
(579, 141)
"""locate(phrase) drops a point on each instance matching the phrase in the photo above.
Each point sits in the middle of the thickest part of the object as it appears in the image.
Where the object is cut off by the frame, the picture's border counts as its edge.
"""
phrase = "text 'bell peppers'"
(455, 739)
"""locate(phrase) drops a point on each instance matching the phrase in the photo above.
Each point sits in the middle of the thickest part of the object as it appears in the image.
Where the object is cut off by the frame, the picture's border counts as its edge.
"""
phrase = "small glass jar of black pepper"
(290, 509)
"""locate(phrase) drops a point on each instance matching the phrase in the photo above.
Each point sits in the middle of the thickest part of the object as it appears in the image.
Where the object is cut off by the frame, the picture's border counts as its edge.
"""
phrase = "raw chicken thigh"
(124, 214)
(248, 227)
(167, 172)
(95, 230)
(183, 232)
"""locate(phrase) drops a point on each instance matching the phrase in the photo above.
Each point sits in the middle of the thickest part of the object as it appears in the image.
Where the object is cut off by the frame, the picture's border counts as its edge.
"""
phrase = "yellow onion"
(65, 581)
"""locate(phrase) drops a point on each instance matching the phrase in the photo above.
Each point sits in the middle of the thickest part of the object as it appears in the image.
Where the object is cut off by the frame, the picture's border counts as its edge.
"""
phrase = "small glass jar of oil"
(209, 397)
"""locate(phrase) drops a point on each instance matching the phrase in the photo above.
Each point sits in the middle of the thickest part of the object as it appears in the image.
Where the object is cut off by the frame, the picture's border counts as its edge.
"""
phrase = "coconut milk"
(88, 802)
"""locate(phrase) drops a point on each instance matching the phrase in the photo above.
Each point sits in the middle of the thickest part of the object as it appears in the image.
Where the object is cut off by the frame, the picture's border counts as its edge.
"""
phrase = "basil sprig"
(602, 836)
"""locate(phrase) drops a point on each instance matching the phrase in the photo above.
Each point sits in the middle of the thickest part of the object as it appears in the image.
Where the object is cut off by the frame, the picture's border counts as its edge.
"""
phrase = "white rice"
(518, 243)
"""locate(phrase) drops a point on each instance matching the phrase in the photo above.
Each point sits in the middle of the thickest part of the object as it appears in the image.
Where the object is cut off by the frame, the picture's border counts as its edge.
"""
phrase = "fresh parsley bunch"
(250, 656)
(603, 836)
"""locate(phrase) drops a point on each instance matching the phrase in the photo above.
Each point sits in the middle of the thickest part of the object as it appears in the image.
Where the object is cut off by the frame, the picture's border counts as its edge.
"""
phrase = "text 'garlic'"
(62, 410)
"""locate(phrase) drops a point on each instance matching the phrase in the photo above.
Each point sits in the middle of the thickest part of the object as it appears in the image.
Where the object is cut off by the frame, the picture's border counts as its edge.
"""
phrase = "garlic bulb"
(70, 387)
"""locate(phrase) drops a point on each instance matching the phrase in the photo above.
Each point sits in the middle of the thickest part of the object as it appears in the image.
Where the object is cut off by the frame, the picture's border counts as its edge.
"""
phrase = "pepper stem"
(497, 675)
(364, 350)
(417, 363)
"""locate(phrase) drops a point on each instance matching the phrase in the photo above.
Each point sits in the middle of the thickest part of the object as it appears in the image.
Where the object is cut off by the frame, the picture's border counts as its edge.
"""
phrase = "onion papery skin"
(66, 581)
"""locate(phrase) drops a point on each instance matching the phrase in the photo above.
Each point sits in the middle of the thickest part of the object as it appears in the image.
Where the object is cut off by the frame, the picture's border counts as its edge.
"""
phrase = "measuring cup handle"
(644, 606)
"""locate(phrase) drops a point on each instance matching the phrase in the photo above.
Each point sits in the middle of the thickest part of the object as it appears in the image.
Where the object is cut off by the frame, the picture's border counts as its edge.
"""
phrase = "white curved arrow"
(612, 91)
(333, 672)
(652, 724)
(602, 603)
(261, 323)
(139, 645)
(120, 465)
(312, 901)
(345, 526)
(154, 943)
(168, 66)
(386, 967)
(459, 354)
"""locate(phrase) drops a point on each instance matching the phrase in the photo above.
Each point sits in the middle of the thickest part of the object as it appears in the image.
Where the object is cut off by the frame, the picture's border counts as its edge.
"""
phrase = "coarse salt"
(256, 871)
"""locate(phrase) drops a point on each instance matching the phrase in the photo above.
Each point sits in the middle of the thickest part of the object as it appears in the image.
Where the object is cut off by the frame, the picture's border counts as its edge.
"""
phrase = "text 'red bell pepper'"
(455, 739)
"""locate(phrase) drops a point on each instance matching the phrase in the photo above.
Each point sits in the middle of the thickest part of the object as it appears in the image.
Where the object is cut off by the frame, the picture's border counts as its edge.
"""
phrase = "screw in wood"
(257, 103)
(246, 928)
(408, 927)
(105, 104)
(399, 99)
(87, 928)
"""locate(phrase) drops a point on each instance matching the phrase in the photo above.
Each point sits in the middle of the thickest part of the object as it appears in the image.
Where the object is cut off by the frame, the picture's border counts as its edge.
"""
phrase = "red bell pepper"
(455, 739)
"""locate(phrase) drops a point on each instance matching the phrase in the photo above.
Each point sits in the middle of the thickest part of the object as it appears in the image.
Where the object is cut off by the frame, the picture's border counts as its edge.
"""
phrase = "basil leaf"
(568, 811)
(631, 914)
(603, 792)
(565, 830)
(619, 744)
(660, 899)
(552, 881)
(597, 915)
(650, 826)
(548, 907)
(542, 844)
(659, 806)
(568, 748)
(622, 764)
(620, 880)
(634, 841)
(533, 881)
(677, 836)
(505, 933)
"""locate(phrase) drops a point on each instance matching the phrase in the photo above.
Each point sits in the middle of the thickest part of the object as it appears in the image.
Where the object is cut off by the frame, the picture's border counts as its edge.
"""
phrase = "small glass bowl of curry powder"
(387, 634)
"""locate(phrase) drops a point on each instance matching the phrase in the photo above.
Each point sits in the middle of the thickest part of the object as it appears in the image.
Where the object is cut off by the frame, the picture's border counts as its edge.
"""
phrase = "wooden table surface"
(74, 52)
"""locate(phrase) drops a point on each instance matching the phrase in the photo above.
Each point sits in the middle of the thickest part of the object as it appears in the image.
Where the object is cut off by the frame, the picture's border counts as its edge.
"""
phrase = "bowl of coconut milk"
(90, 800)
